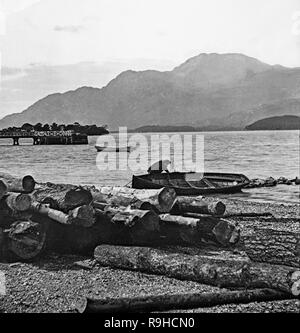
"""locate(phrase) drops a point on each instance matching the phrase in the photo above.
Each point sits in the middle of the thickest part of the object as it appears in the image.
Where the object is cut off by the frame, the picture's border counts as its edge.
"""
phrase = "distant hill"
(208, 91)
(163, 129)
(276, 123)
(157, 129)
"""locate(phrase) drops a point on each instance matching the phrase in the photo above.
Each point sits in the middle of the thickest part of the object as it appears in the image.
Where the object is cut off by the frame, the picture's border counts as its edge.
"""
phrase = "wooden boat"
(113, 149)
(193, 183)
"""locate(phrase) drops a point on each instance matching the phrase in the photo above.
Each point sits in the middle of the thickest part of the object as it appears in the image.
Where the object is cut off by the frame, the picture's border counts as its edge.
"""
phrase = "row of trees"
(76, 127)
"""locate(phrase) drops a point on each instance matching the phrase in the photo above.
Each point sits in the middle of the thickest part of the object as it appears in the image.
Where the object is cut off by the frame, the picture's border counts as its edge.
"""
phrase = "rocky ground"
(55, 283)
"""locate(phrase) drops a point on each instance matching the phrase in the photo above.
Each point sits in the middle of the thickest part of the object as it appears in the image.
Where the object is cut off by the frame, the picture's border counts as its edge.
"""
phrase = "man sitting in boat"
(159, 167)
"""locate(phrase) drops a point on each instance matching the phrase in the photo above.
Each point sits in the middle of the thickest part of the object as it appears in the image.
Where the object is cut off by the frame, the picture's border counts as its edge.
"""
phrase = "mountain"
(276, 123)
(209, 90)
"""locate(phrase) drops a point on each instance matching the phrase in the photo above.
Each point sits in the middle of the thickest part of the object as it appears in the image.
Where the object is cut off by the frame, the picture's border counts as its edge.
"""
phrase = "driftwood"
(217, 269)
(178, 302)
(62, 197)
(199, 206)
(19, 185)
(3, 189)
(202, 231)
(161, 200)
(83, 216)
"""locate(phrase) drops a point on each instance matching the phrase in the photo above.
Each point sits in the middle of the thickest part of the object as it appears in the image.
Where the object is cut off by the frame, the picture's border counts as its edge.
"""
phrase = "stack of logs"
(151, 231)
(70, 219)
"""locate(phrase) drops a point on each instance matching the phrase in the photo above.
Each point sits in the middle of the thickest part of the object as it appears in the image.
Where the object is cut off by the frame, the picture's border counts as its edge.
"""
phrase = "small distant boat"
(192, 183)
(113, 149)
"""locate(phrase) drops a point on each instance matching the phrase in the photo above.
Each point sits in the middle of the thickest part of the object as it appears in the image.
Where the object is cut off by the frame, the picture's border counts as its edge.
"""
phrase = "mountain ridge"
(286, 122)
(207, 90)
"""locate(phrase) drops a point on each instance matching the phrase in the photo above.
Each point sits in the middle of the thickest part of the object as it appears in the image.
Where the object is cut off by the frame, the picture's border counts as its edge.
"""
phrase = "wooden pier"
(46, 137)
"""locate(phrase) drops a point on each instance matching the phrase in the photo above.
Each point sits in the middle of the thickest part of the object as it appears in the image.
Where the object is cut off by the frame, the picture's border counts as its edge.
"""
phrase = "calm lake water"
(255, 154)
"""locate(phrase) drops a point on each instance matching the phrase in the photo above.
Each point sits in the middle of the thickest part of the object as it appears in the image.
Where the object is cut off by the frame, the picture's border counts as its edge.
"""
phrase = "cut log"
(16, 184)
(179, 301)
(18, 202)
(63, 239)
(273, 246)
(198, 232)
(44, 209)
(142, 225)
(14, 207)
(275, 241)
(62, 197)
(199, 206)
(26, 240)
(161, 200)
(3, 189)
(217, 269)
(245, 215)
(83, 216)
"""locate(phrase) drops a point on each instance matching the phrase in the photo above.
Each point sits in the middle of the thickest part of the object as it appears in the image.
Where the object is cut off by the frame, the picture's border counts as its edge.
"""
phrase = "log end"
(23, 202)
(78, 197)
(219, 208)
(167, 199)
(26, 240)
(295, 278)
(28, 184)
(226, 233)
(83, 216)
(81, 305)
(296, 289)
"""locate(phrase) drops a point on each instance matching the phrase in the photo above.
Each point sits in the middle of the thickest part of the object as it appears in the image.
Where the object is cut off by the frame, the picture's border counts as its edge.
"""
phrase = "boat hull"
(113, 149)
(235, 182)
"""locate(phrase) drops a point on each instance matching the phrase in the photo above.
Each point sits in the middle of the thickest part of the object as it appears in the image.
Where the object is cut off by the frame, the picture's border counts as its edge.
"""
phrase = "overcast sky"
(93, 40)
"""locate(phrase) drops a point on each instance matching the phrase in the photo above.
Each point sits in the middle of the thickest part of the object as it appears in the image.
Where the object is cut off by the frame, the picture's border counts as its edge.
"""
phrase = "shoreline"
(55, 284)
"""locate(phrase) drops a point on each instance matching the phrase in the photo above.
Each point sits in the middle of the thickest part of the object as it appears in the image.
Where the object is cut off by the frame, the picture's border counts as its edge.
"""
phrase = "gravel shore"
(56, 284)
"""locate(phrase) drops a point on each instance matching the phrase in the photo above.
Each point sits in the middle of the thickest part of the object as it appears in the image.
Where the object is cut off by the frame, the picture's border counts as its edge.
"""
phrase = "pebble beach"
(56, 283)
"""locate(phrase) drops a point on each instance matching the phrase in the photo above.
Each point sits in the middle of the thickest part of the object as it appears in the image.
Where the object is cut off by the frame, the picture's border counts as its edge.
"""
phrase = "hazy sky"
(109, 36)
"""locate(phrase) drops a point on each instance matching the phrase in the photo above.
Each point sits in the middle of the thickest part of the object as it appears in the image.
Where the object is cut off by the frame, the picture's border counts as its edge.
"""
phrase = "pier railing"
(46, 137)
(35, 134)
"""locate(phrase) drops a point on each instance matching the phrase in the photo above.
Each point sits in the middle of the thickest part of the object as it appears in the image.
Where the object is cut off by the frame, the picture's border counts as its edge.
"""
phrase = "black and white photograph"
(149, 159)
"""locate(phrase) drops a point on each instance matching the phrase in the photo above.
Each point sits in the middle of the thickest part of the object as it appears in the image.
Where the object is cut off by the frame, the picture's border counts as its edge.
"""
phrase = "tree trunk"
(273, 246)
(62, 197)
(83, 216)
(26, 240)
(143, 226)
(198, 232)
(199, 206)
(271, 240)
(217, 269)
(14, 207)
(19, 185)
(18, 202)
(178, 302)
(161, 200)
(3, 189)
